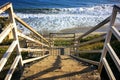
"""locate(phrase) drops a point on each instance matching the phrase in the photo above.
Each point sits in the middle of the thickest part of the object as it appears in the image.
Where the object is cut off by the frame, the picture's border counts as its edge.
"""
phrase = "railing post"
(107, 40)
(76, 47)
(14, 30)
(51, 43)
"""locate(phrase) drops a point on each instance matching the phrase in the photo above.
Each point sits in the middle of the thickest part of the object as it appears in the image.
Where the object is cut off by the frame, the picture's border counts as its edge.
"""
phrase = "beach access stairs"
(46, 46)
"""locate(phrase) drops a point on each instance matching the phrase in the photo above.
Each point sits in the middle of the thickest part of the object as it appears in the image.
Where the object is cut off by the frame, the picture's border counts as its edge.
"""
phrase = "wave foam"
(66, 17)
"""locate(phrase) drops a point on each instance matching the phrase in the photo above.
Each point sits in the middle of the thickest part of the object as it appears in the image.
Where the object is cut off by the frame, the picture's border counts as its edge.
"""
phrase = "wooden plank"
(33, 50)
(95, 28)
(61, 33)
(33, 59)
(62, 37)
(7, 54)
(89, 51)
(92, 41)
(28, 38)
(115, 32)
(29, 27)
(117, 8)
(108, 69)
(114, 56)
(108, 38)
(67, 39)
(12, 69)
(5, 32)
(14, 31)
(5, 7)
(86, 60)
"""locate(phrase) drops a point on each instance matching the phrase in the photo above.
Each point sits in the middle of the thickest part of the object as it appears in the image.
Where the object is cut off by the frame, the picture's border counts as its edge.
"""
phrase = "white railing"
(107, 47)
(46, 45)
(80, 44)
(15, 44)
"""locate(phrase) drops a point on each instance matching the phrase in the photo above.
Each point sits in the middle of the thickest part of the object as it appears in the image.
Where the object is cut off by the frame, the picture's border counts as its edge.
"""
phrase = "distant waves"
(56, 19)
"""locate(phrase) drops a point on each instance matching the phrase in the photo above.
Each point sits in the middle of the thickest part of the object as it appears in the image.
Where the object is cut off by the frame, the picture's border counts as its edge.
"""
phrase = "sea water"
(55, 15)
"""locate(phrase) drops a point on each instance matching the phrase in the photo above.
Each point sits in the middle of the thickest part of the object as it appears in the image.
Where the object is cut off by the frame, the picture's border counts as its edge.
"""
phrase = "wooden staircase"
(45, 47)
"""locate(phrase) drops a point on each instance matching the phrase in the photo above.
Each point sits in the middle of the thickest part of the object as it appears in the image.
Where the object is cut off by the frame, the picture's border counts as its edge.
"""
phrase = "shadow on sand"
(56, 65)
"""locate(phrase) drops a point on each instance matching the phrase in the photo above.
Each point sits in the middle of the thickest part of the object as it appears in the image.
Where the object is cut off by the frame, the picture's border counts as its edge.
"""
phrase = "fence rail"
(30, 28)
(107, 47)
(15, 44)
(95, 28)
(40, 40)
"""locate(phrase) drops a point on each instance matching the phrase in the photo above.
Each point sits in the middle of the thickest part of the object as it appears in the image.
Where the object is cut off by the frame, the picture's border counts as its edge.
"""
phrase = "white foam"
(67, 18)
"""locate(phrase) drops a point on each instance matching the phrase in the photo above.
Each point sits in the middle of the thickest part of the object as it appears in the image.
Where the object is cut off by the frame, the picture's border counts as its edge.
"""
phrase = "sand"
(60, 68)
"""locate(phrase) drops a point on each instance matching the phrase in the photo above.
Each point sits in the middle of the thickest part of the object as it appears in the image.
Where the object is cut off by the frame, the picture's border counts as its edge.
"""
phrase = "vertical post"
(14, 30)
(76, 47)
(72, 48)
(42, 47)
(107, 40)
(51, 43)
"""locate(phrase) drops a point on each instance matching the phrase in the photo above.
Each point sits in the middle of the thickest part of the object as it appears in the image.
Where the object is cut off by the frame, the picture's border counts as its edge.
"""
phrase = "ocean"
(55, 15)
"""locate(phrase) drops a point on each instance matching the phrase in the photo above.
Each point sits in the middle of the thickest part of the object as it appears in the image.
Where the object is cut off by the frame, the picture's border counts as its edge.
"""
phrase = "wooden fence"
(69, 37)
(112, 30)
(15, 44)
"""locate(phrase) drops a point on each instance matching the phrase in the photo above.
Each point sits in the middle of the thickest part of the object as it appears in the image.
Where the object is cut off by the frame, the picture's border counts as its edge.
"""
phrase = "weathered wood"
(109, 71)
(95, 28)
(108, 38)
(33, 50)
(28, 38)
(33, 59)
(117, 8)
(14, 30)
(30, 28)
(113, 56)
(62, 37)
(91, 41)
(61, 33)
(115, 32)
(7, 54)
(89, 51)
(86, 60)
(5, 32)
(12, 69)
(4, 7)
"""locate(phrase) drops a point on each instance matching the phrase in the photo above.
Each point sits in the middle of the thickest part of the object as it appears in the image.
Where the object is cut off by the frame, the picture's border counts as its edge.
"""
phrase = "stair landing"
(60, 68)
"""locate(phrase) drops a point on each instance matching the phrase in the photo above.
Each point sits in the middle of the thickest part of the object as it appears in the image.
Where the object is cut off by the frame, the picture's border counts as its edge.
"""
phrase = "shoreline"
(77, 30)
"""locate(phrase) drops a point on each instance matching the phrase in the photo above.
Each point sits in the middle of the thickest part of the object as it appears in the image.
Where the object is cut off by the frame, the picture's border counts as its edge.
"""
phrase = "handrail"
(117, 8)
(6, 32)
(113, 55)
(4, 7)
(32, 50)
(76, 45)
(89, 51)
(31, 39)
(112, 30)
(12, 69)
(86, 60)
(7, 55)
(115, 32)
(33, 59)
(15, 44)
(108, 48)
(95, 28)
(102, 37)
(109, 71)
(30, 28)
